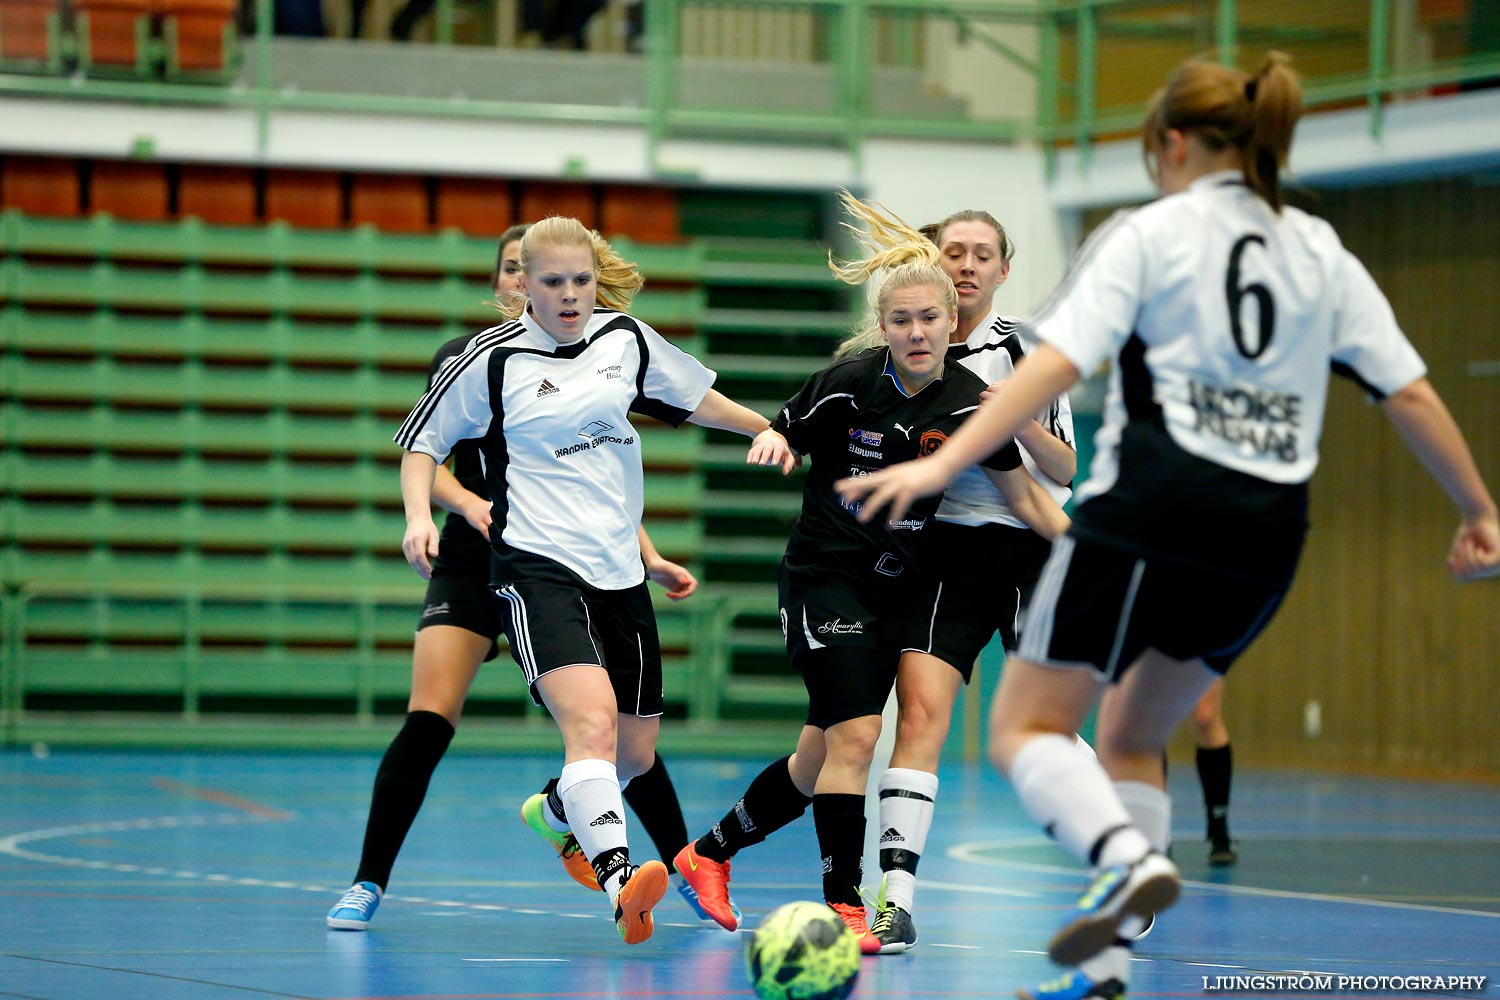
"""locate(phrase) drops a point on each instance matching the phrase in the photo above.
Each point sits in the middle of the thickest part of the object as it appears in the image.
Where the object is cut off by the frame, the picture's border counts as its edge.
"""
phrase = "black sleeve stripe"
(1344, 370)
(422, 412)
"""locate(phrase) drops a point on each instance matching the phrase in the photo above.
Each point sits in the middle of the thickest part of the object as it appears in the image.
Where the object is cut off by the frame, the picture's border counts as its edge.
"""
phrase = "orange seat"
(109, 30)
(224, 196)
(310, 198)
(23, 28)
(40, 185)
(197, 31)
(136, 191)
(479, 206)
(540, 199)
(645, 214)
(393, 202)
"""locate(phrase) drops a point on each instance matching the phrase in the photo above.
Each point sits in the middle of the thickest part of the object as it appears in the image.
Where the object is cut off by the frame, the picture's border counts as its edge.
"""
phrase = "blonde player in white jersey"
(1223, 312)
(985, 559)
(549, 397)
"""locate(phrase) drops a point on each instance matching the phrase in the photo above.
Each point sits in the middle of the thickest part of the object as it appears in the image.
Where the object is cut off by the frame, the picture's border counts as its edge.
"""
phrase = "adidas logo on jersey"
(611, 816)
(890, 835)
(546, 388)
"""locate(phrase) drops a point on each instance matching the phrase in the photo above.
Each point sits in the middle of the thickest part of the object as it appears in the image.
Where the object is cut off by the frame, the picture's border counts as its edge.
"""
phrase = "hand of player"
(1476, 549)
(893, 489)
(420, 546)
(770, 448)
(477, 513)
(675, 579)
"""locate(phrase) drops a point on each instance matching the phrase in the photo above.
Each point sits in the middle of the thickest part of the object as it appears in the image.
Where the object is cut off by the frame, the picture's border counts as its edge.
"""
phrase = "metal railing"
(1090, 64)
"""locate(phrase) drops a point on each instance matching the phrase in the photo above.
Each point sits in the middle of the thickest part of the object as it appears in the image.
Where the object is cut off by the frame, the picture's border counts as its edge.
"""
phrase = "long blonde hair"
(904, 254)
(1224, 107)
(616, 279)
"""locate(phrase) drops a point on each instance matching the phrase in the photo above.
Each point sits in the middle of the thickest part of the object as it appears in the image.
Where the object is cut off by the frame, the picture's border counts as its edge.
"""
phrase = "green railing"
(1084, 68)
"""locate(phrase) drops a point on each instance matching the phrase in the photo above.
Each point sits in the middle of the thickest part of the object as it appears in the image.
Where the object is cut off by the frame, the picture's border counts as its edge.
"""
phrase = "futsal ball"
(802, 951)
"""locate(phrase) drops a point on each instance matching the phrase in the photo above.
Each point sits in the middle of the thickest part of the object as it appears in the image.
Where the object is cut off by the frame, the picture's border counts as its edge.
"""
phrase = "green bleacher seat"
(201, 500)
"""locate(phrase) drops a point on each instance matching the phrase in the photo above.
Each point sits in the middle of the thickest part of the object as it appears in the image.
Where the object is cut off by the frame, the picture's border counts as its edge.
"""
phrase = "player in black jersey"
(1223, 312)
(844, 584)
(984, 563)
(549, 396)
(456, 633)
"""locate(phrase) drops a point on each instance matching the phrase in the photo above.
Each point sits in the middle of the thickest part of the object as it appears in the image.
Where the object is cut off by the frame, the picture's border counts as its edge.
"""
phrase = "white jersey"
(1224, 319)
(561, 458)
(992, 351)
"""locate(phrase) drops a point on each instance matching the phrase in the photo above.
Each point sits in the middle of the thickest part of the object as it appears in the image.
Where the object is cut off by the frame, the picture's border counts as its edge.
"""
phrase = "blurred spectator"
(299, 17)
(561, 23)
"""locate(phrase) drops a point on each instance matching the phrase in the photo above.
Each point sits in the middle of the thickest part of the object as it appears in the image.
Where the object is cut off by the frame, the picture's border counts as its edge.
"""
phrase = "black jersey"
(461, 547)
(853, 418)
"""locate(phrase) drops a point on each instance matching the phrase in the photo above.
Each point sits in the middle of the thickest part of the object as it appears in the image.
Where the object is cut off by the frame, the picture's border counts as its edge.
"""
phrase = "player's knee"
(922, 723)
(854, 741)
(594, 731)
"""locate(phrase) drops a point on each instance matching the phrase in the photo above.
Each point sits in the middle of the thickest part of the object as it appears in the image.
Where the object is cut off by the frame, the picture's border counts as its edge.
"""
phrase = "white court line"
(987, 890)
(972, 853)
(13, 845)
(516, 960)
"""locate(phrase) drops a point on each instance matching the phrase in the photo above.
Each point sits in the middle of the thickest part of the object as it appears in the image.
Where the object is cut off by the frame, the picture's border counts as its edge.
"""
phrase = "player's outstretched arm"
(1424, 422)
(420, 543)
(768, 447)
(1038, 379)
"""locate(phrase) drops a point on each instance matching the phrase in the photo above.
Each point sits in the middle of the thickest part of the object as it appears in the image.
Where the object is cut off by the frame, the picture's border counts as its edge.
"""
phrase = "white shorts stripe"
(811, 642)
(1110, 668)
(640, 674)
(932, 622)
(522, 628)
(1042, 614)
(588, 621)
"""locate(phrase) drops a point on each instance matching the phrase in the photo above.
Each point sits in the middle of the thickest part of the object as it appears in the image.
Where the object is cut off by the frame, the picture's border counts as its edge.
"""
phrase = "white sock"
(1111, 963)
(1150, 809)
(1068, 793)
(906, 803)
(590, 792)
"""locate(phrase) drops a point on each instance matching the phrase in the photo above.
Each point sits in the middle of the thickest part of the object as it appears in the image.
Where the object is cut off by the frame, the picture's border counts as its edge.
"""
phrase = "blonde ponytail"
(903, 253)
(616, 280)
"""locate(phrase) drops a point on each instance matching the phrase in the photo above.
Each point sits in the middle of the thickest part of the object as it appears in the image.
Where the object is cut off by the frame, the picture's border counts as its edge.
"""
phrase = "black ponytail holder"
(1250, 88)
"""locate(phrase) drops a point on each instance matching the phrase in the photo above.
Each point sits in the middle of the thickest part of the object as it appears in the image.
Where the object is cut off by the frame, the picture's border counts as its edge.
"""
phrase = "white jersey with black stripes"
(992, 351)
(562, 459)
(1239, 313)
(1223, 319)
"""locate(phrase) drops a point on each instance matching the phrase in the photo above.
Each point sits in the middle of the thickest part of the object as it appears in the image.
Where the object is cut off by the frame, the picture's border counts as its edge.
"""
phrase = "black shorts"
(839, 620)
(1102, 606)
(982, 577)
(555, 619)
(462, 597)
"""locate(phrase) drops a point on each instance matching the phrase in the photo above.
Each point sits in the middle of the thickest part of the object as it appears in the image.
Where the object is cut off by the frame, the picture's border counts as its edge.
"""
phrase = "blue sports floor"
(181, 876)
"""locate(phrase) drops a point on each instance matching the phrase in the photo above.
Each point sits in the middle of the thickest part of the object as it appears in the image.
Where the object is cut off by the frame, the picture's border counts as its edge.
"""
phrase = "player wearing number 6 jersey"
(1222, 312)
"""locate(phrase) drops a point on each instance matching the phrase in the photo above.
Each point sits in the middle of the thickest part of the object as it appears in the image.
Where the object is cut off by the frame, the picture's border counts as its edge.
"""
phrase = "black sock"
(1215, 771)
(770, 803)
(840, 819)
(400, 787)
(654, 800)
